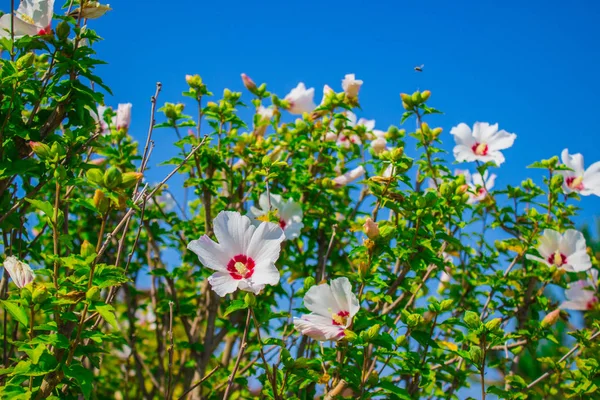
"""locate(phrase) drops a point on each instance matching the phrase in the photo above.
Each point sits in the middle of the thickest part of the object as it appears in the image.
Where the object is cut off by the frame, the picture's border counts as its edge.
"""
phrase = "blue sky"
(530, 66)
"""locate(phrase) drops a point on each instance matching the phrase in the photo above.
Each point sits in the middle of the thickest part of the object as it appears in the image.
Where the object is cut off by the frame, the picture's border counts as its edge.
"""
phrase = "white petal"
(320, 300)
(318, 327)
(265, 274)
(501, 140)
(495, 156)
(577, 262)
(265, 245)
(345, 298)
(222, 283)
(535, 258)
(233, 231)
(573, 161)
(211, 254)
(483, 131)
(573, 305)
(462, 135)
(571, 242)
(549, 242)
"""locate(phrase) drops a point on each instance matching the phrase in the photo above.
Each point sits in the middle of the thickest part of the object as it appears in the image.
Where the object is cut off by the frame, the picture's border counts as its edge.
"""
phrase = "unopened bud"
(130, 179)
(39, 294)
(95, 175)
(249, 83)
(100, 201)
(371, 228)
(551, 318)
(40, 149)
(425, 95)
(25, 61)
(493, 324)
(113, 177)
(63, 30)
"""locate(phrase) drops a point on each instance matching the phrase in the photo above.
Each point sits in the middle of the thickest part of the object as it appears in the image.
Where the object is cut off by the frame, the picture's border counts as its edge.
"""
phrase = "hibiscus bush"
(306, 255)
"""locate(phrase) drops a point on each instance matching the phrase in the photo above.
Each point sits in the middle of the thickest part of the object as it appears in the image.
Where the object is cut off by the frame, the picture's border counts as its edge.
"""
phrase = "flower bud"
(416, 98)
(493, 324)
(425, 95)
(249, 84)
(100, 201)
(472, 320)
(93, 294)
(40, 294)
(250, 299)
(40, 149)
(93, 10)
(371, 228)
(25, 61)
(476, 354)
(551, 318)
(130, 179)
(113, 177)
(95, 175)
(407, 100)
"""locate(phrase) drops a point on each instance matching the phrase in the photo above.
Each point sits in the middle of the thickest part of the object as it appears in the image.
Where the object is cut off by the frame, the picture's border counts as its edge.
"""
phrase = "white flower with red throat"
(124, 116)
(482, 144)
(33, 17)
(20, 273)
(567, 251)
(582, 295)
(351, 85)
(580, 180)
(367, 124)
(288, 211)
(478, 186)
(332, 309)
(300, 99)
(244, 257)
(349, 176)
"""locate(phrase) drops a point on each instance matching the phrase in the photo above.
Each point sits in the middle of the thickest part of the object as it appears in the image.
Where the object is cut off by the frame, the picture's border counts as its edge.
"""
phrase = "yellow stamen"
(557, 258)
(480, 149)
(27, 19)
(240, 267)
(577, 182)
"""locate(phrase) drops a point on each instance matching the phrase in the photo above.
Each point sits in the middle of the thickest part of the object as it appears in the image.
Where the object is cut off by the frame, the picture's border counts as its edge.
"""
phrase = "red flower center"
(341, 318)
(45, 31)
(241, 267)
(575, 183)
(558, 259)
(282, 223)
(592, 303)
(481, 149)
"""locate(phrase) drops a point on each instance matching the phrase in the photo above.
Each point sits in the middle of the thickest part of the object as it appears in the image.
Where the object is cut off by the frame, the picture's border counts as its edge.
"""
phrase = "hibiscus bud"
(397, 154)
(493, 324)
(476, 354)
(472, 320)
(551, 318)
(130, 179)
(40, 149)
(40, 294)
(309, 282)
(461, 189)
(63, 30)
(25, 61)
(349, 335)
(87, 249)
(414, 320)
(371, 228)
(95, 175)
(250, 299)
(416, 98)
(19, 272)
(113, 177)
(249, 84)
(425, 95)
(406, 99)
(93, 10)
(370, 333)
(351, 85)
(400, 340)
(100, 201)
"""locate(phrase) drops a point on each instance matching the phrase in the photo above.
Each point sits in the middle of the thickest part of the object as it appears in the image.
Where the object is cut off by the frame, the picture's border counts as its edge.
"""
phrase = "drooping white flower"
(33, 17)
(20, 272)
(368, 124)
(349, 176)
(478, 186)
(582, 295)
(288, 211)
(482, 144)
(580, 180)
(566, 251)
(124, 116)
(244, 257)
(351, 85)
(332, 309)
(301, 99)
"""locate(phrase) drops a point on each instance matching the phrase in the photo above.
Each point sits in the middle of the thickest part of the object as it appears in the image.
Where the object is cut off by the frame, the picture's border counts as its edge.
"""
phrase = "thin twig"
(239, 356)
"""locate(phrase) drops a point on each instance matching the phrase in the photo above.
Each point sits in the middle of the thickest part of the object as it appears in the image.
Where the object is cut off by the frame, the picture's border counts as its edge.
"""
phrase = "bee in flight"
(419, 68)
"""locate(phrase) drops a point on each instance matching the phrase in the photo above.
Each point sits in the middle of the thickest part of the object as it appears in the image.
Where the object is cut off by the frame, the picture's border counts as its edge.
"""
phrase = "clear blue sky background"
(530, 66)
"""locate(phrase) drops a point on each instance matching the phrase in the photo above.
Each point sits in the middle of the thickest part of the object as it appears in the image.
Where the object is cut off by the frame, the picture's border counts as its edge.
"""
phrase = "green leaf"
(83, 376)
(235, 306)
(392, 388)
(106, 311)
(16, 311)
